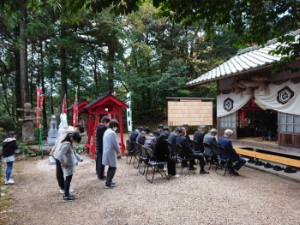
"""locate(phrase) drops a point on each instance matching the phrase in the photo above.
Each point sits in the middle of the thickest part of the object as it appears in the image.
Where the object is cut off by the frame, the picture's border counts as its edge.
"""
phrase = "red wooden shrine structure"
(105, 104)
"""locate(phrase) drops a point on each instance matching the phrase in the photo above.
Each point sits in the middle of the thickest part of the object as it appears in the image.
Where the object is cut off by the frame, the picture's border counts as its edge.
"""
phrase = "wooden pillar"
(121, 132)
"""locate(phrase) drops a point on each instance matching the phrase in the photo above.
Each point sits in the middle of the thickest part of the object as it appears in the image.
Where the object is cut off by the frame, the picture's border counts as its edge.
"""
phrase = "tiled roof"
(250, 58)
(101, 96)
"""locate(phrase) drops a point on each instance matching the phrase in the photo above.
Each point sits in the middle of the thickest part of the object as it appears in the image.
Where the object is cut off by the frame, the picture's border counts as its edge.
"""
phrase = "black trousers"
(67, 184)
(238, 165)
(60, 175)
(99, 166)
(171, 166)
(197, 156)
(110, 175)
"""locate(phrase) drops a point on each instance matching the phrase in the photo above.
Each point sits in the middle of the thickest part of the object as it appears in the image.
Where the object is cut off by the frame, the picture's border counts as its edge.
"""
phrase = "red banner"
(39, 106)
(75, 110)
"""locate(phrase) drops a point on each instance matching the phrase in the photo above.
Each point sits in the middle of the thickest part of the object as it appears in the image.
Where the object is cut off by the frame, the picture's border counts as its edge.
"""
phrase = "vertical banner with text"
(129, 112)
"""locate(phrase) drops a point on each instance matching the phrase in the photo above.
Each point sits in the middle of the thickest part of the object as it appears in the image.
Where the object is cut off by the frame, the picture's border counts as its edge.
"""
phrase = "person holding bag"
(8, 154)
(69, 160)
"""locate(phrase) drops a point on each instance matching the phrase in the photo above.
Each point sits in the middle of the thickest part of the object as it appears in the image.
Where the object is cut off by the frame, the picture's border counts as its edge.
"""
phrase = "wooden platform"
(269, 157)
(270, 146)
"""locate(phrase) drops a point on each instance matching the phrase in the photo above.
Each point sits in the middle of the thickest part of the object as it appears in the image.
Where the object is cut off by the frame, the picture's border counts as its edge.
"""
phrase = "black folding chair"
(223, 160)
(137, 153)
(143, 158)
(182, 159)
(155, 166)
(208, 158)
(130, 153)
(259, 134)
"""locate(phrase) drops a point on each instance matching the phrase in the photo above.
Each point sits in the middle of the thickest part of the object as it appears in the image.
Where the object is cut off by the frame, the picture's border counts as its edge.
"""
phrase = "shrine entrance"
(105, 104)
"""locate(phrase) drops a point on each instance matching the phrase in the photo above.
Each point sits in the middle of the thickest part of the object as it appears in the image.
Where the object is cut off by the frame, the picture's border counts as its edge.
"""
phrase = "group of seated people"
(171, 146)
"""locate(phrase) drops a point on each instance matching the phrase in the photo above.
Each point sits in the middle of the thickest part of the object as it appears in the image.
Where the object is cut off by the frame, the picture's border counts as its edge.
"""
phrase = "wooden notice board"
(192, 112)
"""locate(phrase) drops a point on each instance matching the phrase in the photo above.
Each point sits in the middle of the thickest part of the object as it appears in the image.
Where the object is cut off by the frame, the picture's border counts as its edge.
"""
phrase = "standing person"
(102, 127)
(110, 151)
(198, 137)
(54, 152)
(68, 160)
(8, 154)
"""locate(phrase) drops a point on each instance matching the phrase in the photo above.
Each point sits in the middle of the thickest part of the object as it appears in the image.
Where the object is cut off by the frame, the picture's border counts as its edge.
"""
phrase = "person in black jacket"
(8, 154)
(161, 153)
(198, 137)
(188, 152)
(99, 147)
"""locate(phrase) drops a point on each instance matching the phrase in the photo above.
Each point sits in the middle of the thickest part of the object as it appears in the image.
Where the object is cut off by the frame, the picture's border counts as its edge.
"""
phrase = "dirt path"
(253, 198)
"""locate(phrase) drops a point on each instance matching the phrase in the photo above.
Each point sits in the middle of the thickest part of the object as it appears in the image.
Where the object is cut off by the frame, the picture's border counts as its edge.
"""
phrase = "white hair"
(228, 131)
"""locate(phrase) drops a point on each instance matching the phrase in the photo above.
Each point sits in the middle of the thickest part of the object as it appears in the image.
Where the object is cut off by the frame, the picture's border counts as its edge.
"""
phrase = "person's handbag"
(52, 160)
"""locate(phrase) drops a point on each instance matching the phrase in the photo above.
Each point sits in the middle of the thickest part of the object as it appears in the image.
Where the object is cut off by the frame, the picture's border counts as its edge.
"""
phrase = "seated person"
(172, 140)
(161, 153)
(225, 142)
(188, 152)
(133, 138)
(198, 137)
(156, 133)
(141, 137)
(212, 151)
(150, 139)
(160, 128)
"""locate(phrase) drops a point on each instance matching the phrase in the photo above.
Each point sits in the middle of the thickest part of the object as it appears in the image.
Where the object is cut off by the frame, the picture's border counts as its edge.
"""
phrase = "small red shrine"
(105, 104)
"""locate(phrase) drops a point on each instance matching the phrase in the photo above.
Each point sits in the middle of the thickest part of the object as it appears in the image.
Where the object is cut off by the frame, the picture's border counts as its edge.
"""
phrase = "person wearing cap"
(198, 139)
(186, 127)
(189, 153)
(141, 137)
(210, 139)
(8, 155)
(225, 142)
(150, 139)
(133, 138)
(160, 128)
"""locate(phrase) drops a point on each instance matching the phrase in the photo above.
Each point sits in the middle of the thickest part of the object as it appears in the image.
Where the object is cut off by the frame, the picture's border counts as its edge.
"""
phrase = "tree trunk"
(45, 122)
(23, 57)
(111, 59)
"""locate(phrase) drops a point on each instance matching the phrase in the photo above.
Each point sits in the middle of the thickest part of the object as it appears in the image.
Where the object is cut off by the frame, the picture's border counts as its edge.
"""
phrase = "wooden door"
(228, 122)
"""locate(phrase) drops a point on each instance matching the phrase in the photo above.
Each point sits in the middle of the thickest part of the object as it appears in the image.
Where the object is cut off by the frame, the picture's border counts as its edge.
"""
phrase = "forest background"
(151, 51)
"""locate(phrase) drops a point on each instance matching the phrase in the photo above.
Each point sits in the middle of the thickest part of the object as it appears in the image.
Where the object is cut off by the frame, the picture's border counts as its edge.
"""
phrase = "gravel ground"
(255, 197)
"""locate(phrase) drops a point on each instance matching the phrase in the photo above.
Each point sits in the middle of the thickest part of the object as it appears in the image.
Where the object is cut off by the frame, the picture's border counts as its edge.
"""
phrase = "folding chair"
(130, 153)
(138, 152)
(182, 159)
(222, 158)
(259, 134)
(208, 159)
(155, 166)
(143, 157)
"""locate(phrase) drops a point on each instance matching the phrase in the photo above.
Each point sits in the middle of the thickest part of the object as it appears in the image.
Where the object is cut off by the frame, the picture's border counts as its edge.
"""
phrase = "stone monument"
(28, 126)
(52, 133)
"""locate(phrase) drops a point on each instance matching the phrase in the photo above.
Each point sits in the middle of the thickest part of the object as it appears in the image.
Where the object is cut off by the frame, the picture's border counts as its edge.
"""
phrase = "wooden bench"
(269, 157)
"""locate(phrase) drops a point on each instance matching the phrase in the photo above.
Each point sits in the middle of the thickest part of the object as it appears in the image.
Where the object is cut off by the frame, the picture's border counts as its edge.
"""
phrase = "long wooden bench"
(269, 157)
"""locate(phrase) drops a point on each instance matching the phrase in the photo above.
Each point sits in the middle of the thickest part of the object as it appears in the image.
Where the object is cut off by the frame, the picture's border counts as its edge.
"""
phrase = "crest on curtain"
(228, 104)
(285, 95)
